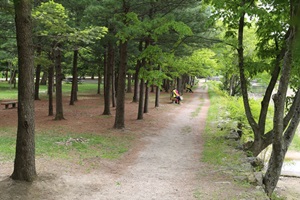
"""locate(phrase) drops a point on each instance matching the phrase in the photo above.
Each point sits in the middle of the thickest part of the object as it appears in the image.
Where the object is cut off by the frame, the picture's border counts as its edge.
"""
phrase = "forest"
(155, 45)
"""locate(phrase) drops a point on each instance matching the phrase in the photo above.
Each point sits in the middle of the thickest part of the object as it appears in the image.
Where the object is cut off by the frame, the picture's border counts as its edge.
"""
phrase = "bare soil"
(163, 163)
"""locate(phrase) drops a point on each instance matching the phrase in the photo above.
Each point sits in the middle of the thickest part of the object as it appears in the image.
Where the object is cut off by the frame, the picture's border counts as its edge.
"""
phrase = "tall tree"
(120, 108)
(283, 135)
(74, 88)
(279, 43)
(59, 115)
(24, 166)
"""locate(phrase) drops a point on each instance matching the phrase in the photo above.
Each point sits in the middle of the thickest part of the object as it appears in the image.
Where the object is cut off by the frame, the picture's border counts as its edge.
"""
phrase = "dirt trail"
(165, 167)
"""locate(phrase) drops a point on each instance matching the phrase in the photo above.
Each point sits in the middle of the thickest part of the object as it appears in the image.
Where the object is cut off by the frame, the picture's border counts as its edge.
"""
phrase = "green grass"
(65, 146)
(7, 91)
(221, 154)
(54, 143)
(217, 150)
(296, 142)
(12, 93)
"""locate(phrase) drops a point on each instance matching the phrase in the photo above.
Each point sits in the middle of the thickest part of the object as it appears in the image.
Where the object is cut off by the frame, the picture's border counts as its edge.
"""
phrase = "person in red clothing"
(176, 95)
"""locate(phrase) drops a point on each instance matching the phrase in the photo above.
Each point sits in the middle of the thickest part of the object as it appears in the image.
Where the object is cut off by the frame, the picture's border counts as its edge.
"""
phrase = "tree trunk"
(129, 90)
(279, 148)
(44, 78)
(24, 165)
(120, 109)
(136, 82)
(113, 86)
(37, 77)
(50, 90)
(141, 99)
(59, 76)
(146, 98)
(179, 85)
(136, 76)
(157, 94)
(108, 79)
(75, 79)
(99, 80)
(6, 73)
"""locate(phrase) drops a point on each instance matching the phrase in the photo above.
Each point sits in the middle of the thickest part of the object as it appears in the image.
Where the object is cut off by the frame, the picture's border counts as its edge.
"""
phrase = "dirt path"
(167, 167)
(164, 166)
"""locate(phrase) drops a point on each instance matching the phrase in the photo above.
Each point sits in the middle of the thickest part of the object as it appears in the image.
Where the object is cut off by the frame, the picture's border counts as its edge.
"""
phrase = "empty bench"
(12, 103)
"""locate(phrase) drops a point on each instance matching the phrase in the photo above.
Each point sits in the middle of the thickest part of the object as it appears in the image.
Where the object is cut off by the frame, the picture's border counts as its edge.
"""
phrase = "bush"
(231, 111)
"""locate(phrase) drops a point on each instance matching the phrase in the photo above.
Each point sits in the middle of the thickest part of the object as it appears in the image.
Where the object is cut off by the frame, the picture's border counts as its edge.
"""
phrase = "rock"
(256, 162)
(259, 178)
(252, 179)
(234, 135)
(240, 178)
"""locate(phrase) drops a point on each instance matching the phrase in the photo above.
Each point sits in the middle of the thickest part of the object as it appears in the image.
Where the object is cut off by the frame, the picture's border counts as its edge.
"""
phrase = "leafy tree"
(279, 41)
(53, 23)
(8, 53)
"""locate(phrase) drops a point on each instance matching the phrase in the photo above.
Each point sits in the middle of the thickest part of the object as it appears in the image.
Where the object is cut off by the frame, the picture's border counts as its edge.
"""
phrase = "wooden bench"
(12, 103)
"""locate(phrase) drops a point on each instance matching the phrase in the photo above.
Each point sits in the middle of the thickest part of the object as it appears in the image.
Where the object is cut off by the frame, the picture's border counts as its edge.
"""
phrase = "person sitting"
(176, 96)
(189, 88)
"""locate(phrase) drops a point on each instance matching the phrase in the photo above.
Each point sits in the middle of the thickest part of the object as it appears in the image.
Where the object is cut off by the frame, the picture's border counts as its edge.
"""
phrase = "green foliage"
(88, 35)
(129, 26)
(232, 112)
(52, 18)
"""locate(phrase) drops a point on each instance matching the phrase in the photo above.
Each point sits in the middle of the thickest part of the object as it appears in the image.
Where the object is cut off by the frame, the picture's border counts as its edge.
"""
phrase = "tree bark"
(157, 95)
(120, 109)
(73, 97)
(136, 76)
(59, 76)
(113, 84)
(50, 90)
(44, 78)
(141, 99)
(146, 103)
(282, 135)
(129, 78)
(108, 81)
(99, 80)
(24, 165)
(37, 77)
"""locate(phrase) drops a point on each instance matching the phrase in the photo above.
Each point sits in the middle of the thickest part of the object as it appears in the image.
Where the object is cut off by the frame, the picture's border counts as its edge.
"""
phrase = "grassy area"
(57, 144)
(221, 154)
(8, 92)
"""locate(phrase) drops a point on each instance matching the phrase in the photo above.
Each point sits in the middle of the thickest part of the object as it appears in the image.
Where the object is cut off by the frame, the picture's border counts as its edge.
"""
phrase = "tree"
(126, 18)
(282, 133)
(52, 20)
(24, 166)
(279, 42)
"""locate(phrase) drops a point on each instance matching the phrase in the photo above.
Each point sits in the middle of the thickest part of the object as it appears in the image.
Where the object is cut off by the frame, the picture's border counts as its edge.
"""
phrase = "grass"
(68, 145)
(221, 154)
(12, 93)
(59, 143)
